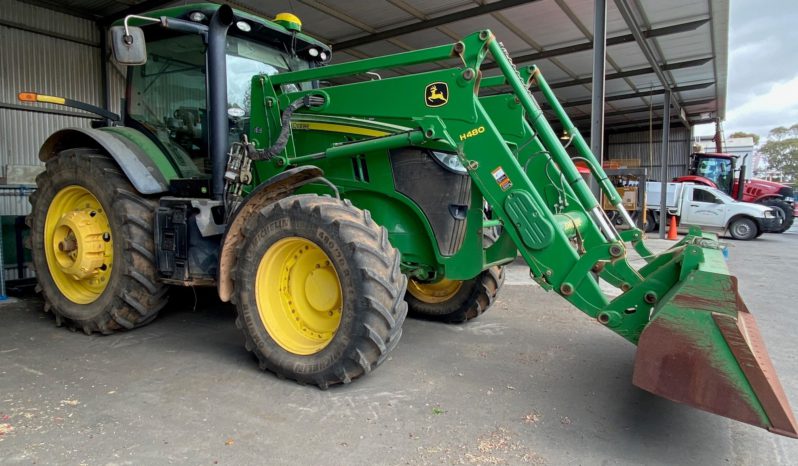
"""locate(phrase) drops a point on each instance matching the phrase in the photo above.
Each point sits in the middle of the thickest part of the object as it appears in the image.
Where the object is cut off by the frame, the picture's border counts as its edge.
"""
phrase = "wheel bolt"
(106, 237)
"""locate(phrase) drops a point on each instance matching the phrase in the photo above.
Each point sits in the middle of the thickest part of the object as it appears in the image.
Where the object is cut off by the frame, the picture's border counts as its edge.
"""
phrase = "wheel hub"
(78, 244)
(434, 293)
(299, 296)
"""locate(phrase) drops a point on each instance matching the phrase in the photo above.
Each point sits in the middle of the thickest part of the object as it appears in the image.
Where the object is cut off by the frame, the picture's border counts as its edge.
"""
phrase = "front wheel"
(743, 229)
(318, 290)
(455, 301)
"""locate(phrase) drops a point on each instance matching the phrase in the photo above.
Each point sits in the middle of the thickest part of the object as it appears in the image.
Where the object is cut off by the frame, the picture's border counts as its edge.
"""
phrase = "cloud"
(763, 69)
(778, 106)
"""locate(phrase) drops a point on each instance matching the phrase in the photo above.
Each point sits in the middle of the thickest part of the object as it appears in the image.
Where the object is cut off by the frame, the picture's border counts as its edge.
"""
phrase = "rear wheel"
(743, 229)
(318, 290)
(651, 222)
(455, 301)
(784, 212)
(92, 243)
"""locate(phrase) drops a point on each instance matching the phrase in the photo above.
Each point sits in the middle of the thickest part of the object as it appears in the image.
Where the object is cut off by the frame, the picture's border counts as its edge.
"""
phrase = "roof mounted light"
(323, 56)
(243, 26)
(197, 16)
(313, 52)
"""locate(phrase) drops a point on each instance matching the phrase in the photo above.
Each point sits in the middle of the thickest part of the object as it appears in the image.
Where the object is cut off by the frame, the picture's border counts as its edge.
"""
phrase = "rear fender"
(137, 164)
(273, 189)
(695, 179)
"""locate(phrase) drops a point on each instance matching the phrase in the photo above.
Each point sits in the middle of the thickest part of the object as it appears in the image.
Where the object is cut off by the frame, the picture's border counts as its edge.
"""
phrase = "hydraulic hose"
(285, 131)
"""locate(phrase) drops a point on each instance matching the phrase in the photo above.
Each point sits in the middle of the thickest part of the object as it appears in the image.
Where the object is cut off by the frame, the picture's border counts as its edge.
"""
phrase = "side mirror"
(128, 45)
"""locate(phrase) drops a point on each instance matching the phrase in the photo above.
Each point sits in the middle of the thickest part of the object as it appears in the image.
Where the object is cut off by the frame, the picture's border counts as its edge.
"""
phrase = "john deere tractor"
(323, 203)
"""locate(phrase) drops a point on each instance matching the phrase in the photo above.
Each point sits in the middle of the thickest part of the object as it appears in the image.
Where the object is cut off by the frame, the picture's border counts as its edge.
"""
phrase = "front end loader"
(322, 206)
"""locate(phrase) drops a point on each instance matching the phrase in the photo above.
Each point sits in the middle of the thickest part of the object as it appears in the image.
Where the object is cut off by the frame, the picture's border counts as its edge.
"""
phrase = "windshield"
(718, 170)
(168, 93)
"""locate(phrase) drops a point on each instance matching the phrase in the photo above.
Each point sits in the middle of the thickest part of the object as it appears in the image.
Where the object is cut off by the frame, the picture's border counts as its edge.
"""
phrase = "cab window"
(700, 195)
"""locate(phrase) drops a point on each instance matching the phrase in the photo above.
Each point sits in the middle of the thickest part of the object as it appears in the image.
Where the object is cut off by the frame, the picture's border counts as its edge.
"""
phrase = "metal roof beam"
(429, 23)
(628, 17)
(65, 9)
(617, 40)
(635, 95)
(636, 72)
(644, 124)
(645, 109)
(138, 8)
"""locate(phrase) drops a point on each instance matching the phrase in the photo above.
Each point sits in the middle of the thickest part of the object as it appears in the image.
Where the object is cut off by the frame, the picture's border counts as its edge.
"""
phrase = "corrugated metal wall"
(63, 59)
(647, 147)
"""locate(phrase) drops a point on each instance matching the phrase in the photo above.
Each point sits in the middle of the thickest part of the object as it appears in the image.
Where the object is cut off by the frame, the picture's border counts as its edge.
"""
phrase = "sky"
(763, 67)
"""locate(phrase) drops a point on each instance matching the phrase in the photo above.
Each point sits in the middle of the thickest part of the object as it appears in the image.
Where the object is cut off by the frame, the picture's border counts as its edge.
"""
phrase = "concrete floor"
(532, 381)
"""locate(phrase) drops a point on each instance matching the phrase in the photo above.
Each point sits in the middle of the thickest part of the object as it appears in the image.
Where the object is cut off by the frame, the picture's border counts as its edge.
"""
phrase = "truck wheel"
(783, 212)
(651, 222)
(92, 245)
(743, 229)
(455, 301)
(318, 290)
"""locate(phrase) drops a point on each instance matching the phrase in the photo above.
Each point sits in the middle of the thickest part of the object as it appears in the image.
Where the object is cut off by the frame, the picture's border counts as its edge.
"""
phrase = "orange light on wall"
(27, 96)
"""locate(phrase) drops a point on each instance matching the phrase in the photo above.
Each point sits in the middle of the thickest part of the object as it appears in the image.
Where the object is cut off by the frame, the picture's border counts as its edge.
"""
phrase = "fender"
(765, 197)
(277, 187)
(138, 163)
(695, 179)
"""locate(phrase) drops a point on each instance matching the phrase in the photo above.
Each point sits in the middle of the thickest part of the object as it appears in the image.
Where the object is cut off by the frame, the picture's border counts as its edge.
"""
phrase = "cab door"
(703, 208)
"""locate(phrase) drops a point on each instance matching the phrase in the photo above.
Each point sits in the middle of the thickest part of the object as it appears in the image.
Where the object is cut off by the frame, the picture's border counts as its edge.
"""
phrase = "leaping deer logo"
(436, 94)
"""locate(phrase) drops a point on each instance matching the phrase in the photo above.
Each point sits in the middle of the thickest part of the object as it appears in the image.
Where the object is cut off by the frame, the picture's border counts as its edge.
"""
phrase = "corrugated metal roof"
(528, 28)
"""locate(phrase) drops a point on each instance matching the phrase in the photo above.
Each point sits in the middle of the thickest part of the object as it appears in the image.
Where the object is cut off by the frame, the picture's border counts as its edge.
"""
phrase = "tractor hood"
(759, 187)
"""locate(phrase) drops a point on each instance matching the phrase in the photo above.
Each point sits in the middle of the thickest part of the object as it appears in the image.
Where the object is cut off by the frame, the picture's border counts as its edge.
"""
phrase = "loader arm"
(521, 168)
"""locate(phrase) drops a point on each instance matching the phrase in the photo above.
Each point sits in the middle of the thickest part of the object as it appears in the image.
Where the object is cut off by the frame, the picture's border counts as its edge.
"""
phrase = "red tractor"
(720, 171)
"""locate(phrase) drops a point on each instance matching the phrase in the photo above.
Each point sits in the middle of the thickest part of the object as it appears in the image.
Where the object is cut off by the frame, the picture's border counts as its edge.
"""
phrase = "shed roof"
(687, 39)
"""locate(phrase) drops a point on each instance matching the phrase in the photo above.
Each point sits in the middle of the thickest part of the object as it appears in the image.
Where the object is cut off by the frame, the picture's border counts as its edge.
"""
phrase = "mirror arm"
(182, 25)
(128, 37)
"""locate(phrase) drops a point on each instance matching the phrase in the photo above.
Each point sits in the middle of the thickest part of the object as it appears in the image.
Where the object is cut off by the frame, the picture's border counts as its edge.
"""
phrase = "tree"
(781, 149)
(743, 134)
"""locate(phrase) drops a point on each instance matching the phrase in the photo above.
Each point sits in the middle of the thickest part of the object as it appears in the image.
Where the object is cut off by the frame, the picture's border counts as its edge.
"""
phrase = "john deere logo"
(436, 94)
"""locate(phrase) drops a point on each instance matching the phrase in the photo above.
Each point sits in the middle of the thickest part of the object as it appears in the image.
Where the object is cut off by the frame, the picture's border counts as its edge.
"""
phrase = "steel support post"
(666, 136)
(597, 104)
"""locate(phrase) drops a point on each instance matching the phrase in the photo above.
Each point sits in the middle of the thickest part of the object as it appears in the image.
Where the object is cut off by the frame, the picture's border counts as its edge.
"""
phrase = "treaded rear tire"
(372, 287)
(473, 299)
(786, 209)
(133, 296)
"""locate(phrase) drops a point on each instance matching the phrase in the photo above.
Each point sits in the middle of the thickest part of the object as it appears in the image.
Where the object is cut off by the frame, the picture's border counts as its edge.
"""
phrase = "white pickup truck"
(710, 209)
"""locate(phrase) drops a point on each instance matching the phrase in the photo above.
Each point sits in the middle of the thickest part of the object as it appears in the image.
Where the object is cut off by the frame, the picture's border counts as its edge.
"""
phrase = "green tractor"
(324, 211)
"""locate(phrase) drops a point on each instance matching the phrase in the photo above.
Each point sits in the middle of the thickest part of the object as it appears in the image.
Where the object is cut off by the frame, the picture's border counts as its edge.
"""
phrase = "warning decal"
(502, 179)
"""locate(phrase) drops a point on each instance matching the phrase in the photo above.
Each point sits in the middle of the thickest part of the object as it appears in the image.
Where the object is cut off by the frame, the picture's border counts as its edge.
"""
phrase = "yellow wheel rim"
(78, 244)
(434, 293)
(299, 296)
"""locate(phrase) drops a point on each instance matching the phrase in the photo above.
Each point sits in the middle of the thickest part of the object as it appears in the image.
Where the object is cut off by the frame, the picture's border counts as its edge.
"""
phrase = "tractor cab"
(718, 168)
(168, 95)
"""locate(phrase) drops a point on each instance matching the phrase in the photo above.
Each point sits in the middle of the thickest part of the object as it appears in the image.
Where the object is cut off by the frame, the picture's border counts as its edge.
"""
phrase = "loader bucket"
(702, 347)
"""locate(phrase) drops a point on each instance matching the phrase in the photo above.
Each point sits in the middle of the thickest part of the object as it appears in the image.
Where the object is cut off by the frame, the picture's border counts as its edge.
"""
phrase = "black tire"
(743, 228)
(472, 299)
(371, 285)
(132, 296)
(783, 211)
(650, 223)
